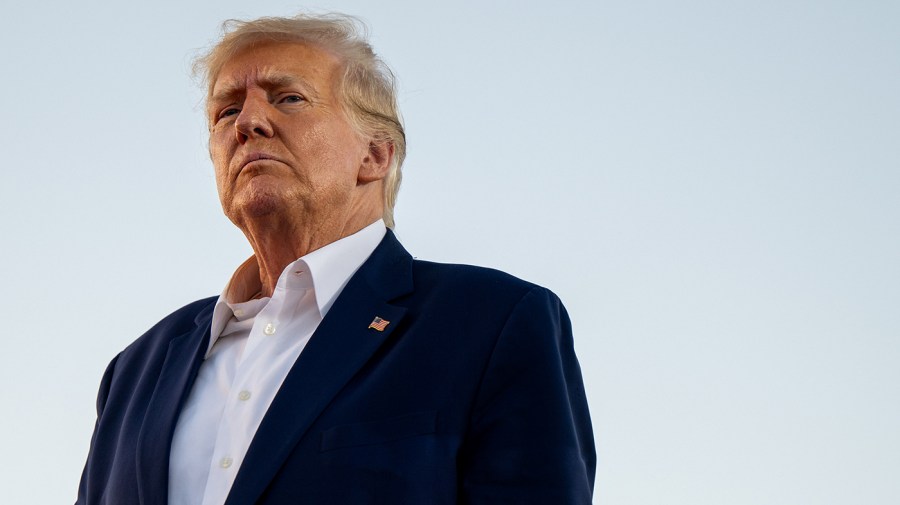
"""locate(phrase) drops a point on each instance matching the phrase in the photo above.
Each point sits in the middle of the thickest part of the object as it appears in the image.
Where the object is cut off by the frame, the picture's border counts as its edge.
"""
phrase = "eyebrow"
(267, 81)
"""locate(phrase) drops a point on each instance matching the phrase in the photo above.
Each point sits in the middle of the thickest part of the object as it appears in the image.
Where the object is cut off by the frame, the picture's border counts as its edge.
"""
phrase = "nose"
(253, 120)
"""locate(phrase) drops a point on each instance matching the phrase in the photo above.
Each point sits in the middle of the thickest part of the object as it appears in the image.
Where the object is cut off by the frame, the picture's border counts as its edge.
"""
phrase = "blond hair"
(367, 87)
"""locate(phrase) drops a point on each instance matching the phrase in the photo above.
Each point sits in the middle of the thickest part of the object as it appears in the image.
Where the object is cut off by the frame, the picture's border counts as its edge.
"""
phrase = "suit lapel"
(183, 359)
(340, 346)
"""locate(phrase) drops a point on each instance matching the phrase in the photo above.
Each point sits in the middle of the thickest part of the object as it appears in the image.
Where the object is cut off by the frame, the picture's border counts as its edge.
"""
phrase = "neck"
(278, 242)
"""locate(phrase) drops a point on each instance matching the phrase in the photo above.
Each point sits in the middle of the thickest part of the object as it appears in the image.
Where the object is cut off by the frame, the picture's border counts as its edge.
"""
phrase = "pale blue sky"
(710, 186)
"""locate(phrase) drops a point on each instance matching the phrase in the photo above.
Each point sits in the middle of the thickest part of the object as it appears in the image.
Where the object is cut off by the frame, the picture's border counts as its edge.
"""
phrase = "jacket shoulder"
(479, 283)
(177, 323)
(456, 271)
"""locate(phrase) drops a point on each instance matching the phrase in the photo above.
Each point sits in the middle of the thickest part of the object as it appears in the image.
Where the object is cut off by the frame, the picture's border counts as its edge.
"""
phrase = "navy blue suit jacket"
(472, 394)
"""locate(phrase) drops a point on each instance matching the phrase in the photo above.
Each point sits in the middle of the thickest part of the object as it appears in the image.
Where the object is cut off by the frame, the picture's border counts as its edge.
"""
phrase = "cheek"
(339, 148)
(220, 182)
(220, 159)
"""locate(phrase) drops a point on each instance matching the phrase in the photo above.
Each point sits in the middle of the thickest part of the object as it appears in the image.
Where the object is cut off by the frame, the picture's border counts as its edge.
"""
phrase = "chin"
(259, 202)
(262, 207)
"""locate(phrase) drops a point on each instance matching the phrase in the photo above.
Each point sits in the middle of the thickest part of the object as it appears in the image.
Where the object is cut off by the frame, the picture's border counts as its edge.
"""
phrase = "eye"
(292, 99)
(228, 112)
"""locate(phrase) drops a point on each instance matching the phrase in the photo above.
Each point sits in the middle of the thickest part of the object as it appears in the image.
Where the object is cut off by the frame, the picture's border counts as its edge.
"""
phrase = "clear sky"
(710, 186)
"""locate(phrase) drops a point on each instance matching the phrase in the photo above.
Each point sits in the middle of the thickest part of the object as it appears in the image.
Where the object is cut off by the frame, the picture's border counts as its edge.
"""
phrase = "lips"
(256, 156)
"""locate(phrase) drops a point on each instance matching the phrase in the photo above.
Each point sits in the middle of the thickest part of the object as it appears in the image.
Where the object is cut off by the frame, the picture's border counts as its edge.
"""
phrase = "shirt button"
(239, 312)
(244, 396)
(226, 462)
(269, 329)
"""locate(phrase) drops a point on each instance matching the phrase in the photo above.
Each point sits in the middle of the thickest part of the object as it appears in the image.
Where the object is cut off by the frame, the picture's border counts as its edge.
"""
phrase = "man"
(334, 368)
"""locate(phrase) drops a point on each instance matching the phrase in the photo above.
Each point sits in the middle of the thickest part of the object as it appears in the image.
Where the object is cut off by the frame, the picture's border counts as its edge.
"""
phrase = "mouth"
(254, 157)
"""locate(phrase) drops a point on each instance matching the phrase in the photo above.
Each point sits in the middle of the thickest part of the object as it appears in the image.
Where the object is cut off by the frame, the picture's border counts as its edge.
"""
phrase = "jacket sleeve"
(102, 395)
(530, 439)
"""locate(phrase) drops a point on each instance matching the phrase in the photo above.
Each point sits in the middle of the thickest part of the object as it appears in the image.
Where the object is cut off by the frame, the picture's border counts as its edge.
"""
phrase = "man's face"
(279, 139)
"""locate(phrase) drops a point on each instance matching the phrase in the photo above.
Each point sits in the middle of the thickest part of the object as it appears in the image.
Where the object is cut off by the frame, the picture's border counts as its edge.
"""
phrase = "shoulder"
(478, 288)
(467, 276)
(179, 322)
(132, 373)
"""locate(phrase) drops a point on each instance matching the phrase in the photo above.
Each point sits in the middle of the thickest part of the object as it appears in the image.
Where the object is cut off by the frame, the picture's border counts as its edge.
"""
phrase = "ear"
(377, 162)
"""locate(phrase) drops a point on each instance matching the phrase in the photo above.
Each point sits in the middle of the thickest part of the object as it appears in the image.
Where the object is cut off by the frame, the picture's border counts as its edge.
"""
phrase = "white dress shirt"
(253, 345)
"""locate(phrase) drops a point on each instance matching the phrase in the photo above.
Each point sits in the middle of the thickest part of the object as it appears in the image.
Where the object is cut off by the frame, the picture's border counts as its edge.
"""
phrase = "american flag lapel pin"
(379, 324)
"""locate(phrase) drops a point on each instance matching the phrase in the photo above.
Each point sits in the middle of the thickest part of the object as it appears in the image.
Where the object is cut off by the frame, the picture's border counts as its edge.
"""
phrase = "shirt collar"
(330, 268)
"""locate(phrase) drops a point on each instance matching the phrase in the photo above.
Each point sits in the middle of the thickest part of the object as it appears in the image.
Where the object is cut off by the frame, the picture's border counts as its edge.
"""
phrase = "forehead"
(272, 63)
